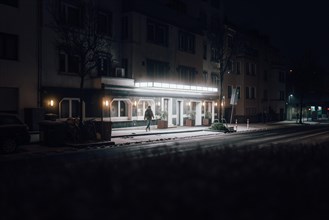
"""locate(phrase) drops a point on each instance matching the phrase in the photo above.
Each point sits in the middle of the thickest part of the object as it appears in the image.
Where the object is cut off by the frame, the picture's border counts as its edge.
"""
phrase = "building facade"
(19, 66)
(161, 56)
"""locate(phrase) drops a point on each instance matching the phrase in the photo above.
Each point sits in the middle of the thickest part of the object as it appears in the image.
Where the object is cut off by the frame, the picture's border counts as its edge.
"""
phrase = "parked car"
(13, 132)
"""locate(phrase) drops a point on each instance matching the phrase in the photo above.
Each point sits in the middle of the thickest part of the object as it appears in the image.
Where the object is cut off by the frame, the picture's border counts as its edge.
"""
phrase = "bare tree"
(305, 78)
(81, 38)
(223, 43)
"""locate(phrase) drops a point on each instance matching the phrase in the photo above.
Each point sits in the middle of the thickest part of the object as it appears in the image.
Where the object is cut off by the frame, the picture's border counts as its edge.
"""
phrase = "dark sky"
(292, 25)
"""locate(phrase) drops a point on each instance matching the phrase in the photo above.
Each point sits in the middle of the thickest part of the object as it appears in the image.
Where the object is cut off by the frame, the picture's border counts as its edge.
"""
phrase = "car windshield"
(9, 120)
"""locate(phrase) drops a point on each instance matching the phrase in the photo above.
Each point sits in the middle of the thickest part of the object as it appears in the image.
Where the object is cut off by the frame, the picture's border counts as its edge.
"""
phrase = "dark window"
(65, 109)
(214, 55)
(205, 76)
(205, 51)
(247, 93)
(229, 92)
(72, 15)
(8, 46)
(238, 70)
(13, 3)
(229, 66)
(247, 69)
(124, 32)
(103, 66)
(125, 65)
(62, 62)
(281, 95)
(187, 74)
(214, 79)
(238, 91)
(156, 69)
(252, 95)
(253, 69)
(68, 63)
(157, 33)
(73, 64)
(104, 23)
(186, 42)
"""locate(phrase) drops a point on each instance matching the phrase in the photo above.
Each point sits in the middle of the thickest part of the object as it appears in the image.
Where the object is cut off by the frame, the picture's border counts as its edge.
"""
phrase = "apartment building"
(161, 56)
(18, 56)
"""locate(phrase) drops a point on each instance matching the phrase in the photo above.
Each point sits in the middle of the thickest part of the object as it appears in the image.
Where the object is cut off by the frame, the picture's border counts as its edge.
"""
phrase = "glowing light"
(51, 103)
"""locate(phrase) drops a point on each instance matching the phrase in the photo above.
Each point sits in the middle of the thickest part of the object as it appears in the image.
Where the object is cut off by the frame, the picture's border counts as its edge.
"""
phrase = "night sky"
(292, 25)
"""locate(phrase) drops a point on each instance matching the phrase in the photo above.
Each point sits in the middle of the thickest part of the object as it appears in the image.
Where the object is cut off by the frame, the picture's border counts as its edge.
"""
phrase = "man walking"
(148, 116)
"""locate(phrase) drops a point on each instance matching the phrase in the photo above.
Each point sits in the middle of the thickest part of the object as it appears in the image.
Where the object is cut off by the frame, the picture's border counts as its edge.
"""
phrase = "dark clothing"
(148, 116)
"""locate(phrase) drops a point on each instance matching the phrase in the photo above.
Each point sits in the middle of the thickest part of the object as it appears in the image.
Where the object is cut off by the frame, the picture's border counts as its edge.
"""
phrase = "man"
(148, 116)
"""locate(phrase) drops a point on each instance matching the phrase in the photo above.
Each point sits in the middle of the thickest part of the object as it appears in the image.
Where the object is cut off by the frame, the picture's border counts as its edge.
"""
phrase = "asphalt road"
(244, 175)
(157, 145)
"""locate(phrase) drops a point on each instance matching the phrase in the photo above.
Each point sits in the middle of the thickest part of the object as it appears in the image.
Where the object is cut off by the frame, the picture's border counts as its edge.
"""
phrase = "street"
(260, 174)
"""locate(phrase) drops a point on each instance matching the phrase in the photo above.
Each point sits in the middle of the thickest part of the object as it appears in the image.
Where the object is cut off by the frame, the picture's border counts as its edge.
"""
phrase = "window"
(281, 95)
(229, 66)
(13, 3)
(238, 70)
(71, 15)
(8, 46)
(214, 55)
(247, 93)
(229, 92)
(125, 65)
(214, 79)
(119, 108)
(281, 76)
(186, 42)
(187, 74)
(238, 91)
(69, 107)
(205, 51)
(252, 93)
(124, 31)
(156, 69)
(103, 66)
(247, 69)
(205, 76)
(157, 33)
(253, 69)
(104, 23)
(68, 63)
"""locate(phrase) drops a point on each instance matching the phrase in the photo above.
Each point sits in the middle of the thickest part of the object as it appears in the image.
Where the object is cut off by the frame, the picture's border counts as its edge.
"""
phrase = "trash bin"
(52, 133)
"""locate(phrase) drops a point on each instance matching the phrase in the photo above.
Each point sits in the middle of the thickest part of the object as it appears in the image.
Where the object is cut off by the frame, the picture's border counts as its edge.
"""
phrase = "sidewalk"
(138, 135)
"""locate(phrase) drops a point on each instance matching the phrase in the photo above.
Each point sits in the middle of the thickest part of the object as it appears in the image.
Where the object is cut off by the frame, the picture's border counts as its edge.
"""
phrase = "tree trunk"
(301, 109)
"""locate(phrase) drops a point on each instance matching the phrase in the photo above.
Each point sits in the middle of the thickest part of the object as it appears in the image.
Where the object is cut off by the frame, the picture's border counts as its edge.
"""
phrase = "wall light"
(51, 103)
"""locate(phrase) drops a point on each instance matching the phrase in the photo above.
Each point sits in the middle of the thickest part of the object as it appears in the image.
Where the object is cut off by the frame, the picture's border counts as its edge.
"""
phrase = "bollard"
(247, 123)
(236, 124)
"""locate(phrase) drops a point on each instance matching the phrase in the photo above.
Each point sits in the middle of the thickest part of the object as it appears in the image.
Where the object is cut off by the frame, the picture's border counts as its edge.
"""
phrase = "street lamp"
(290, 105)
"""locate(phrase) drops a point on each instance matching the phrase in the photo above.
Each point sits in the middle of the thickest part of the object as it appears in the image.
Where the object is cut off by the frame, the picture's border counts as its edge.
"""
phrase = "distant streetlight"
(290, 104)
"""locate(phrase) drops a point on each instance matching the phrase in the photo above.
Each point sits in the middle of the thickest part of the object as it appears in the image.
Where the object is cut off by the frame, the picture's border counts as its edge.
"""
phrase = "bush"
(218, 126)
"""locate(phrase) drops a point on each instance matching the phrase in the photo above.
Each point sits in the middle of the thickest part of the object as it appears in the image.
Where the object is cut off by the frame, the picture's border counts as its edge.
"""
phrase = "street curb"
(156, 133)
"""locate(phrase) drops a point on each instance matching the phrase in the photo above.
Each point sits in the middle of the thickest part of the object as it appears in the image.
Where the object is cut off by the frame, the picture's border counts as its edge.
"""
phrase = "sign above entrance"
(172, 86)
